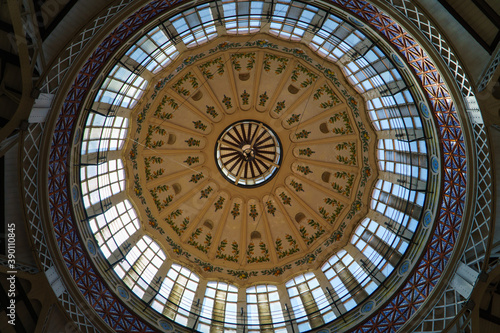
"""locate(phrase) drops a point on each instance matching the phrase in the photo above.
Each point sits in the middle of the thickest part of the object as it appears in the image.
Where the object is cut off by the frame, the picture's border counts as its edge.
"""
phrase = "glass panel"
(264, 308)
(219, 310)
(103, 133)
(138, 266)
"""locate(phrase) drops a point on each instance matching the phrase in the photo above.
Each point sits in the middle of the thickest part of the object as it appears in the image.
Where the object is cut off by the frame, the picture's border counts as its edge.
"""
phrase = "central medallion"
(248, 153)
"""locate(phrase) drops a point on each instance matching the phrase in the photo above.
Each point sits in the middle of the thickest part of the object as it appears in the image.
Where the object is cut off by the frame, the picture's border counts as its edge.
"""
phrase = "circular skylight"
(248, 153)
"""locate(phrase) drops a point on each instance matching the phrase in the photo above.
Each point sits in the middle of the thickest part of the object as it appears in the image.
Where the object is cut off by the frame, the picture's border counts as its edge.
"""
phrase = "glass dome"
(344, 183)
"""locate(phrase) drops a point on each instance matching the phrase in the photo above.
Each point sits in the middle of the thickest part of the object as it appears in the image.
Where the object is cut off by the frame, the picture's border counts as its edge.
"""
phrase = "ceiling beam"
(46, 31)
(10, 58)
(488, 12)
(486, 315)
(466, 25)
(7, 27)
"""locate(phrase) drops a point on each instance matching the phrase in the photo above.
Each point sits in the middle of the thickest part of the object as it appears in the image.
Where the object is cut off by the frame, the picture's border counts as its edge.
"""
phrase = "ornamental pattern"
(237, 57)
(147, 167)
(244, 97)
(159, 110)
(219, 203)
(282, 61)
(279, 107)
(293, 247)
(227, 102)
(190, 160)
(192, 142)
(270, 207)
(264, 253)
(211, 111)
(205, 68)
(263, 99)
(333, 99)
(438, 250)
(236, 210)
(294, 118)
(228, 257)
(253, 212)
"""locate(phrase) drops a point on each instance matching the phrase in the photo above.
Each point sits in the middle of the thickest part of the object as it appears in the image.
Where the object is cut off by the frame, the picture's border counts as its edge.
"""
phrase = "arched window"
(103, 133)
(114, 227)
(242, 17)
(395, 202)
(309, 303)
(219, 310)
(395, 112)
(371, 70)
(404, 158)
(264, 309)
(154, 51)
(121, 87)
(350, 283)
(140, 265)
(176, 294)
(382, 247)
(101, 181)
(335, 38)
(195, 26)
(291, 19)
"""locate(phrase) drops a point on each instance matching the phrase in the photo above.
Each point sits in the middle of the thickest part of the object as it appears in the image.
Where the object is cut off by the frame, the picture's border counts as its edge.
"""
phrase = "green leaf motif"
(297, 186)
(293, 119)
(227, 102)
(205, 192)
(282, 63)
(270, 207)
(279, 107)
(236, 210)
(219, 203)
(253, 212)
(286, 199)
(293, 246)
(306, 152)
(211, 111)
(205, 67)
(263, 99)
(302, 134)
(219, 254)
(178, 86)
(190, 160)
(199, 125)
(196, 178)
(244, 97)
(304, 169)
(264, 257)
(192, 142)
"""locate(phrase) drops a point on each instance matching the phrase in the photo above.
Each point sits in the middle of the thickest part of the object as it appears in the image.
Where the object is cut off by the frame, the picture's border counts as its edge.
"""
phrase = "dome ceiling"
(173, 170)
(251, 159)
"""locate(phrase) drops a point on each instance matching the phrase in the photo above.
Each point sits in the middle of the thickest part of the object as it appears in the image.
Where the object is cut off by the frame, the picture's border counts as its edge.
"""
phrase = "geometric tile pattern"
(420, 282)
(111, 310)
(476, 253)
(454, 167)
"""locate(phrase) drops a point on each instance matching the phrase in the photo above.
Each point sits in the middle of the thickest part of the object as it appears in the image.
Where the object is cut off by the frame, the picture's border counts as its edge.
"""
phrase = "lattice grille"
(477, 246)
(68, 56)
(30, 155)
(426, 27)
(489, 72)
(444, 311)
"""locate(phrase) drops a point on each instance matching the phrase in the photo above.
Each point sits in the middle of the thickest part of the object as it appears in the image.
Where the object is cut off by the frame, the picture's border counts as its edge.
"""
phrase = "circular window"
(248, 153)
